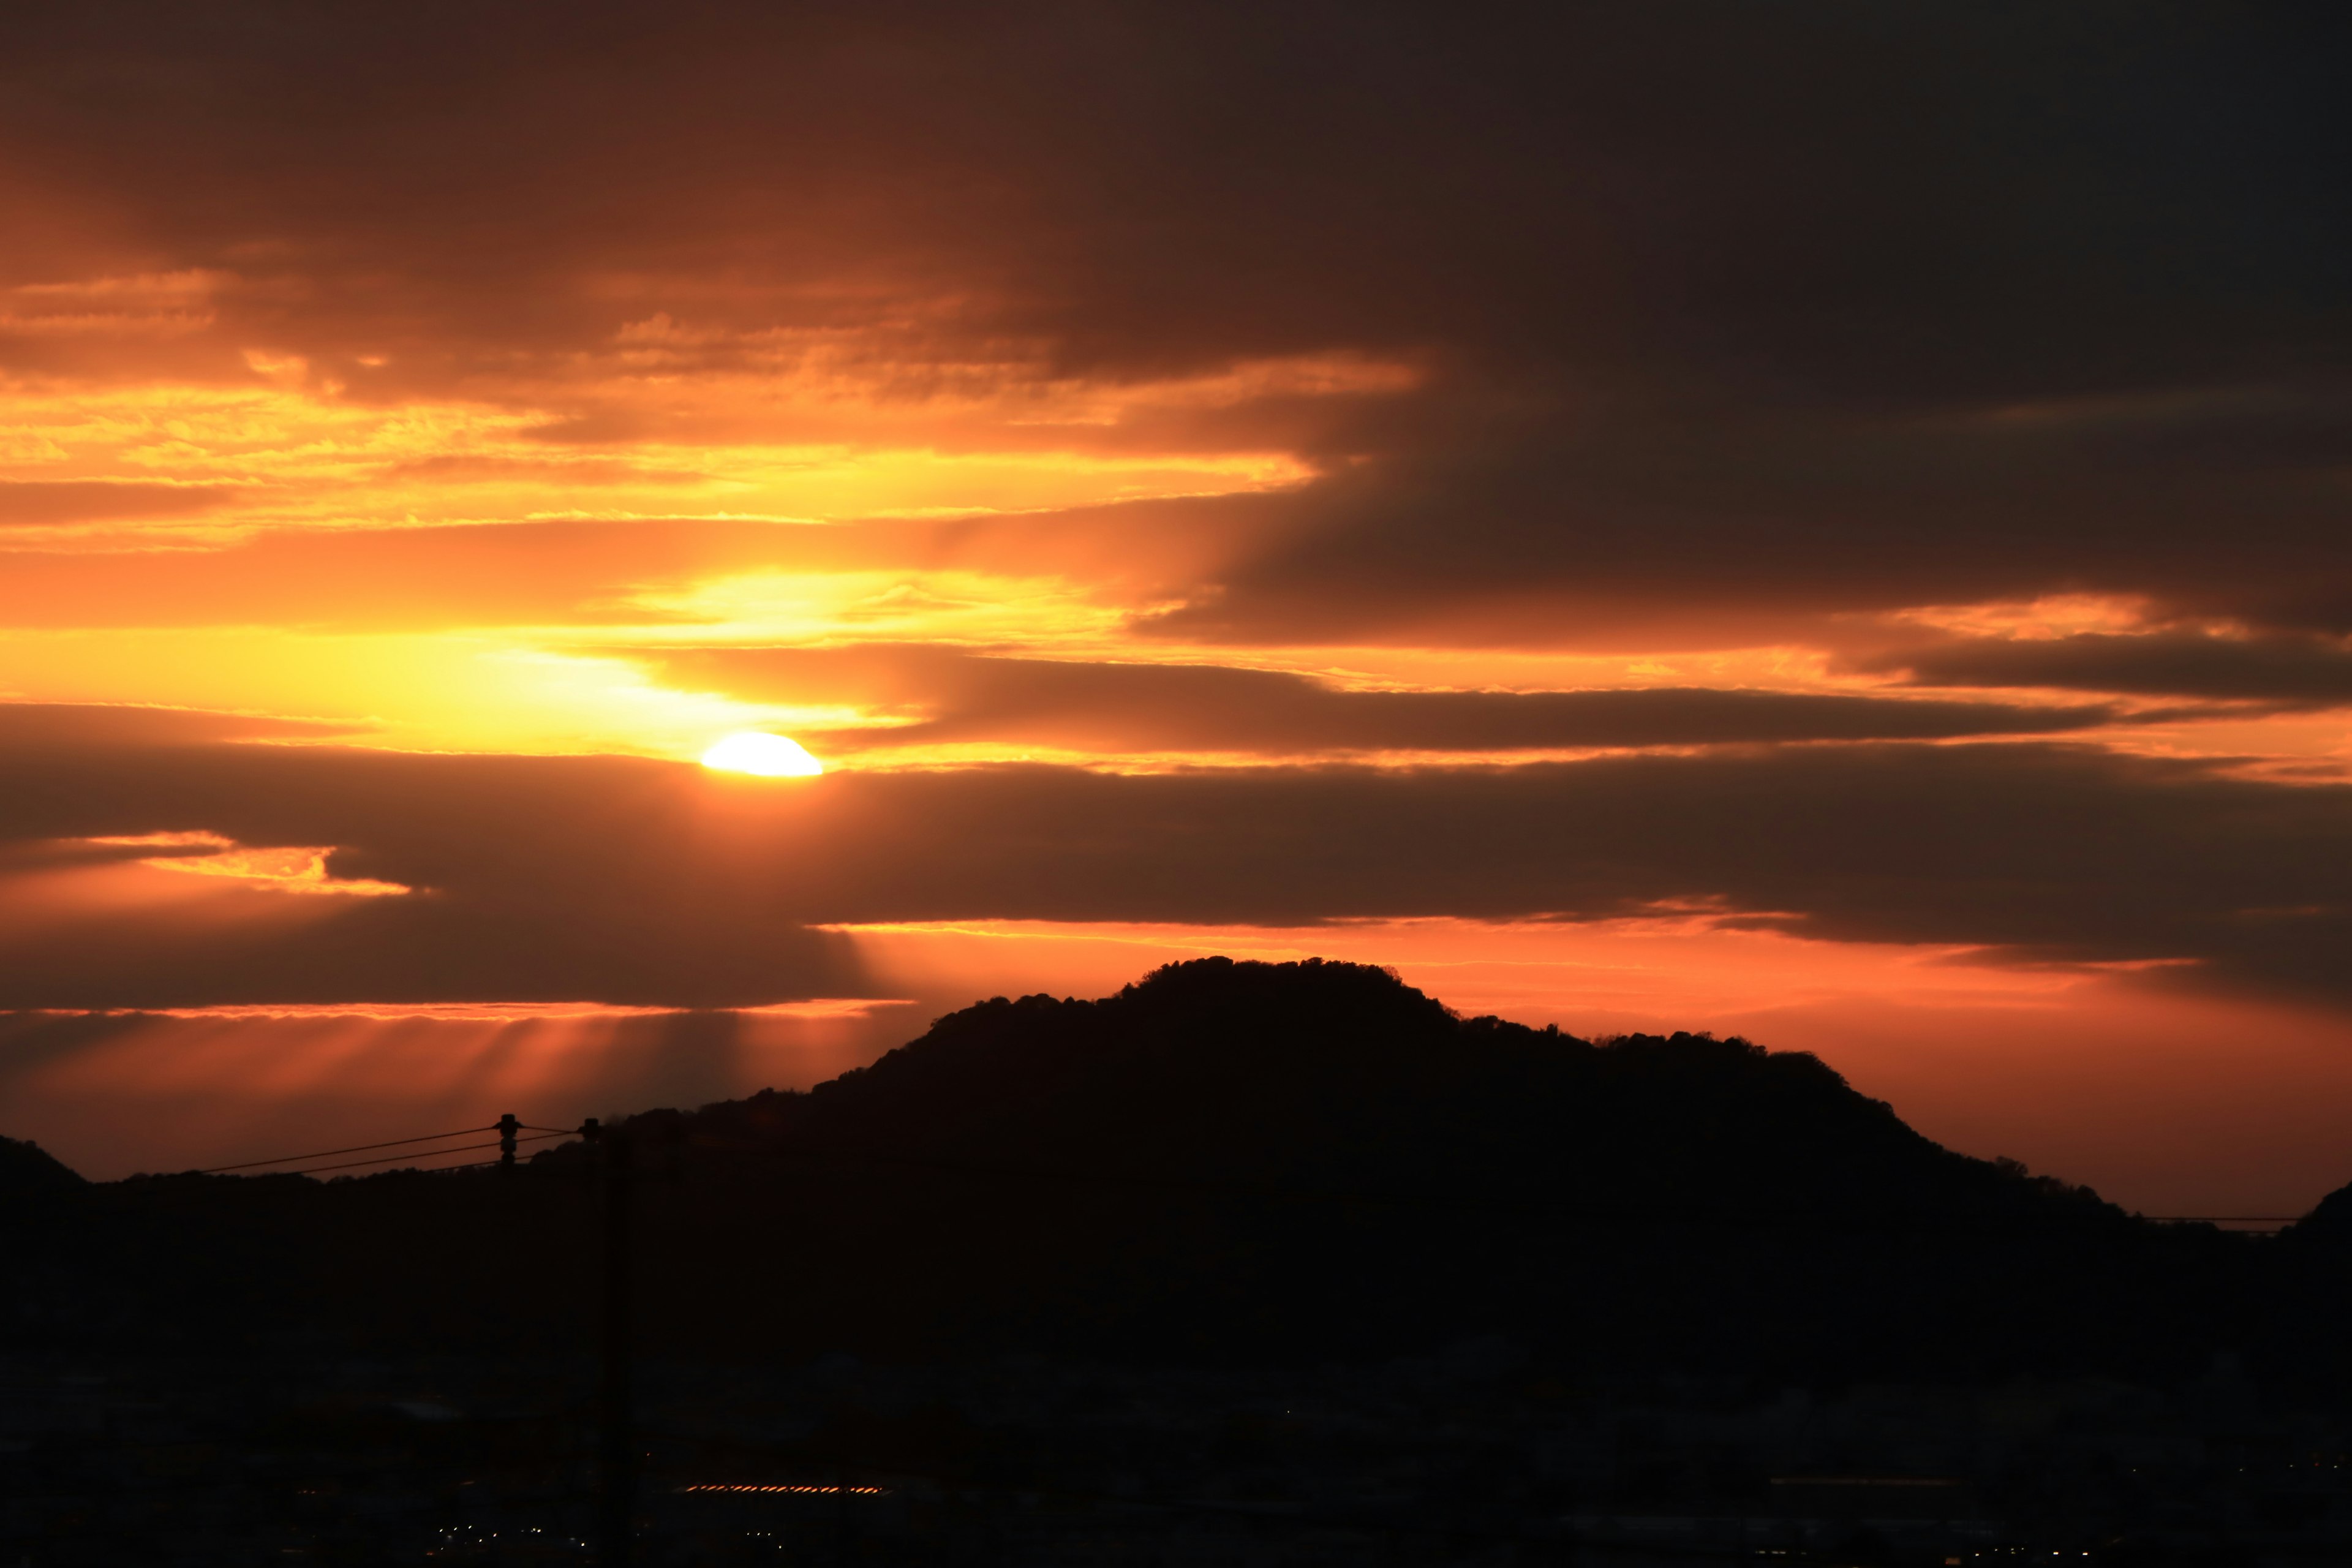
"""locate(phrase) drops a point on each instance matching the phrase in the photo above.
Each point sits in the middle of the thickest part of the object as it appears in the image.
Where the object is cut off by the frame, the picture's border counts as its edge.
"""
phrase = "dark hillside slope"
(26, 1169)
(1313, 1159)
(1332, 1077)
(1244, 1160)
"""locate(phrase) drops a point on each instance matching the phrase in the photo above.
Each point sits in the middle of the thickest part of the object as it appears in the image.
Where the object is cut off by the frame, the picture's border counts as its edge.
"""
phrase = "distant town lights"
(819, 1490)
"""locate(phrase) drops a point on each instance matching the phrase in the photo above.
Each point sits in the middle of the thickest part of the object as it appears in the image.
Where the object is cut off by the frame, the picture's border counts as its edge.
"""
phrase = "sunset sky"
(1826, 522)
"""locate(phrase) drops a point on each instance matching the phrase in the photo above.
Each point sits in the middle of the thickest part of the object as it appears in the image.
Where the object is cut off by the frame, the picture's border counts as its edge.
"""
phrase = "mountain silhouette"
(1299, 1082)
(27, 1170)
(1226, 1160)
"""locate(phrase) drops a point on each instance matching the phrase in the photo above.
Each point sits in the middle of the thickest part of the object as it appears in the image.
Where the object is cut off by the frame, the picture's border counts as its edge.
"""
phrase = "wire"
(442, 1170)
(387, 1159)
(425, 1155)
(354, 1148)
(541, 1136)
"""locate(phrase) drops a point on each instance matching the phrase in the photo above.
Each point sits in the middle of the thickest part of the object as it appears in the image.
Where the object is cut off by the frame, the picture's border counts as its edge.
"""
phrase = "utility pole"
(616, 1452)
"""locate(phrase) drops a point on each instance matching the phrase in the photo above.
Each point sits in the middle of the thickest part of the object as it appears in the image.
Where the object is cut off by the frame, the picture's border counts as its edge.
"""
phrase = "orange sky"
(1408, 542)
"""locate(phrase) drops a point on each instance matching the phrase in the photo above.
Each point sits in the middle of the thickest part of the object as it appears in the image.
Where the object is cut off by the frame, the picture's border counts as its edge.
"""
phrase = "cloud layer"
(1875, 470)
(641, 882)
(2315, 672)
(946, 697)
(1715, 315)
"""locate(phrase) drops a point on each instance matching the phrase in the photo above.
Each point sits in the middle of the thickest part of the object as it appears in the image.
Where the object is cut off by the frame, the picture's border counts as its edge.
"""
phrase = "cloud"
(51, 502)
(1720, 316)
(2290, 670)
(948, 697)
(506, 574)
(639, 883)
(582, 880)
(83, 729)
(1700, 524)
(1680, 325)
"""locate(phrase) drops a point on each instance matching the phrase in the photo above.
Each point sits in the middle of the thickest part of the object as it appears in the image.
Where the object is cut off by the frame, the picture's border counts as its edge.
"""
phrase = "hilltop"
(1229, 1159)
(1304, 1081)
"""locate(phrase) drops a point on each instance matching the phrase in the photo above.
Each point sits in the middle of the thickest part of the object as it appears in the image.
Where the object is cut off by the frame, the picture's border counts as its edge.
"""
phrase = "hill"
(1231, 1159)
(1309, 1082)
(27, 1170)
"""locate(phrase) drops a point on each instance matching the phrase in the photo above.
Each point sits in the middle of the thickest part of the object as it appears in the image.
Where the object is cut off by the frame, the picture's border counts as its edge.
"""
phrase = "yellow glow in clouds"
(769, 756)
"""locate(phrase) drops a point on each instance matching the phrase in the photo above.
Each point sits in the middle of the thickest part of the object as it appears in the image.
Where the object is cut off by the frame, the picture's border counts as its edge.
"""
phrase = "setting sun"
(756, 751)
(1079, 524)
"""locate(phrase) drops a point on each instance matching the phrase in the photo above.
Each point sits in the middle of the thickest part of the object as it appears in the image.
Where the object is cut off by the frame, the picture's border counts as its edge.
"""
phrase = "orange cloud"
(473, 418)
(282, 869)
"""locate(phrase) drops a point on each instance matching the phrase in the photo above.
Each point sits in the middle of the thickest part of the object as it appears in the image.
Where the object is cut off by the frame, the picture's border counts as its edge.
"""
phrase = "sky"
(1823, 521)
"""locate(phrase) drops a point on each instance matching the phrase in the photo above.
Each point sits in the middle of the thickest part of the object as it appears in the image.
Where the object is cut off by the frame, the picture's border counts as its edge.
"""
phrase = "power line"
(541, 1135)
(425, 1154)
(388, 1159)
(354, 1148)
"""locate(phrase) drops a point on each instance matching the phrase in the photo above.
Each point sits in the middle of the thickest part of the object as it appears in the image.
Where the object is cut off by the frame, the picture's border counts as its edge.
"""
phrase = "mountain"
(28, 1171)
(1237, 1158)
(1305, 1082)
(2330, 1222)
(1233, 1160)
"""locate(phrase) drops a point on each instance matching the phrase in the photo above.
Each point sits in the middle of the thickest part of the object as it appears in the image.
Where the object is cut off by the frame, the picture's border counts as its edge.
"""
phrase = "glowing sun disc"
(769, 756)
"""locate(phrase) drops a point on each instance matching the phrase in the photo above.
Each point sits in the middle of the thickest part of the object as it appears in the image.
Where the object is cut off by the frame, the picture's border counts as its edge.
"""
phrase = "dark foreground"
(1248, 1265)
(1475, 1455)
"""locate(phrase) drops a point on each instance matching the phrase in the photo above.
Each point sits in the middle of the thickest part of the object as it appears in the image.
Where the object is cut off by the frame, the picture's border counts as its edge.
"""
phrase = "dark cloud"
(1934, 199)
(2300, 671)
(73, 727)
(636, 881)
(951, 696)
(1726, 311)
(538, 880)
(2048, 853)
(1608, 526)
(24, 502)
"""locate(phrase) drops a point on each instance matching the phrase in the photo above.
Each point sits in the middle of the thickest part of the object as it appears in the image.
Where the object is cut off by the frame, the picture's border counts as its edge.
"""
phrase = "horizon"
(664, 1035)
(571, 560)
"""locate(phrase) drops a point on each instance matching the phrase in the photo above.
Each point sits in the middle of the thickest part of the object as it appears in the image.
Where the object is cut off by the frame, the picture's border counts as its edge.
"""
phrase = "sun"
(756, 751)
